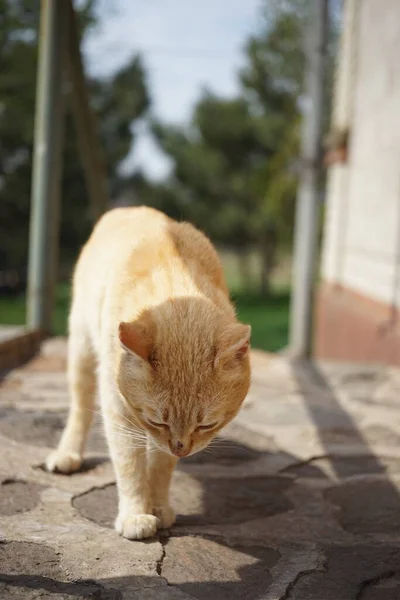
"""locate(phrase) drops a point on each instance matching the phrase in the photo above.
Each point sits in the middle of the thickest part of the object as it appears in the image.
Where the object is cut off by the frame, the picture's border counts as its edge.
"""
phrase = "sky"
(186, 45)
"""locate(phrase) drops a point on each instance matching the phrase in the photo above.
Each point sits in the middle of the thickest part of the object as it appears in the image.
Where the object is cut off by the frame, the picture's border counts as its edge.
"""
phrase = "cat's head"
(184, 371)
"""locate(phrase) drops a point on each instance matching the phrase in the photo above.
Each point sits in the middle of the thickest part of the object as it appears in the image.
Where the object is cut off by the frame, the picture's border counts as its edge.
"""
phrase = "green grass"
(267, 316)
(13, 309)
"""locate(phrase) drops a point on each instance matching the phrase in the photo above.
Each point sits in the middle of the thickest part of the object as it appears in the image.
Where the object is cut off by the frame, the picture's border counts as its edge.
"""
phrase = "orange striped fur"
(153, 330)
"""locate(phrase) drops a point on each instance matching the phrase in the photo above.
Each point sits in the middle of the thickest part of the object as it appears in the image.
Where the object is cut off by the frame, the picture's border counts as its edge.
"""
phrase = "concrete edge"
(19, 348)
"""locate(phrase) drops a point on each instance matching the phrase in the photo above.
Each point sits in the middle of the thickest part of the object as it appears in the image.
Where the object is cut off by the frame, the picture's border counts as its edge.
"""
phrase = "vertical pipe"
(47, 162)
(307, 210)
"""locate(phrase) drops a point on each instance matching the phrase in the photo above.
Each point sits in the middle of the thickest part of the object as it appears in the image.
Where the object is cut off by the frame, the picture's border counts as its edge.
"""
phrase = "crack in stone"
(290, 587)
(373, 581)
(299, 576)
(163, 539)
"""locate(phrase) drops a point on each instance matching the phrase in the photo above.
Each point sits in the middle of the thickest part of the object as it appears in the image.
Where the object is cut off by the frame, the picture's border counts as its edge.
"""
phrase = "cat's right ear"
(234, 344)
(134, 338)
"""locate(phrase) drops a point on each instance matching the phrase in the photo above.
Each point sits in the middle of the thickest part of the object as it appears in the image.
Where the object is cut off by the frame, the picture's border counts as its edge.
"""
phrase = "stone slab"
(298, 500)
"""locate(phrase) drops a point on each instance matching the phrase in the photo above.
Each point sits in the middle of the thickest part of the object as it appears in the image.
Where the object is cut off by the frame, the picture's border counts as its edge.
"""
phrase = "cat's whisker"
(130, 436)
(126, 428)
(208, 449)
(117, 425)
(132, 427)
(126, 418)
(137, 447)
(133, 440)
(120, 427)
(123, 431)
(135, 433)
(221, 440)
(222, 446)
(217, 445)
(132, 430)
(138, 444)
(95, 412)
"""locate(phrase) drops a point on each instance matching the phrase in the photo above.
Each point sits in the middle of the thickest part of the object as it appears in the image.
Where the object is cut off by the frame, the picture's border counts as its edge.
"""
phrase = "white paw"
(63, 462)
(136, 527)
(166, 516)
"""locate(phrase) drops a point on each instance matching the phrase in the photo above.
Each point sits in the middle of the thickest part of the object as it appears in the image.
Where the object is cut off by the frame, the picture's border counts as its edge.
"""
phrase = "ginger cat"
(152, 328)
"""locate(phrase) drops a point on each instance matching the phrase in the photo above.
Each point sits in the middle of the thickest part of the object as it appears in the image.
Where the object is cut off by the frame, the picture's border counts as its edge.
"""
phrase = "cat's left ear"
(135, 337)
(234, 343)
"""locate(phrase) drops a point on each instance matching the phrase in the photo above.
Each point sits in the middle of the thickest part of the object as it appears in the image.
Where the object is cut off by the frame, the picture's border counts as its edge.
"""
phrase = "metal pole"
(307, 210)
(88, 139)
(45, 195)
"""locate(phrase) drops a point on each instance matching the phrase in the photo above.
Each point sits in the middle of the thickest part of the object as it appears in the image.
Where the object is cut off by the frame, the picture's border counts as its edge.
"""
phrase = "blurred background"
(198, 108)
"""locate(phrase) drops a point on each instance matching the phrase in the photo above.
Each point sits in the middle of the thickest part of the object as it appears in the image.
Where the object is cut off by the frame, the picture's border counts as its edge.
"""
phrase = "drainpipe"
(47, 163)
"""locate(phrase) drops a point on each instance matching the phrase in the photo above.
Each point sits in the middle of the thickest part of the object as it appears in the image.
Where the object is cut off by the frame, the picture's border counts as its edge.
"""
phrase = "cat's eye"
(205, 427)
(155, 424)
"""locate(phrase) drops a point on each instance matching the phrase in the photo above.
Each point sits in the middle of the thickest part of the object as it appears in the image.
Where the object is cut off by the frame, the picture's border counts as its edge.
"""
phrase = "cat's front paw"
(136, 527)
(166, 516)
(63, 462)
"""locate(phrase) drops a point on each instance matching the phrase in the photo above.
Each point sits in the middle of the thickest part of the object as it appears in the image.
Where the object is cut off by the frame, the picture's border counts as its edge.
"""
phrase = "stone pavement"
(300, 500)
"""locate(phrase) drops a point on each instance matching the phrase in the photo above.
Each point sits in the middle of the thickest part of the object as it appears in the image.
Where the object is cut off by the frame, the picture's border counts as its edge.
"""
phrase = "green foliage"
(234, 169)
(17, 90)
(117, 101)
(233, 164)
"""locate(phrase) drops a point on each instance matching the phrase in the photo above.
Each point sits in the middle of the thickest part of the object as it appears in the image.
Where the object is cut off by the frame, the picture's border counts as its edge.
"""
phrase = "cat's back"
(116, 237)
(196, 253)
(143, 237)
(117, 234)
(129, 244)
(128, 225)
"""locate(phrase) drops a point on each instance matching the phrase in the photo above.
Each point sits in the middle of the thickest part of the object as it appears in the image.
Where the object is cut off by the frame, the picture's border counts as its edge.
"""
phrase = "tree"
(210, 161)
(234, 165)
(118, 101)
(272, 81)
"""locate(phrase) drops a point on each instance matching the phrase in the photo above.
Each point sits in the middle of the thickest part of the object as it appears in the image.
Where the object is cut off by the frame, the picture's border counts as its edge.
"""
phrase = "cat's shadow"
(235, 484)
(238, 487)
(215, 493)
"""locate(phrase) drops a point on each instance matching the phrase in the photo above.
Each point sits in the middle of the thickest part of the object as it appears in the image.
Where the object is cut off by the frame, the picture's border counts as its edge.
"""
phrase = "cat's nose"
(178, 448)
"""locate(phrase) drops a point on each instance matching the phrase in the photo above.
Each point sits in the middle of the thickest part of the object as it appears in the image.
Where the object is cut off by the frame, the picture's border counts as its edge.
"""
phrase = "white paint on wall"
(361, 248)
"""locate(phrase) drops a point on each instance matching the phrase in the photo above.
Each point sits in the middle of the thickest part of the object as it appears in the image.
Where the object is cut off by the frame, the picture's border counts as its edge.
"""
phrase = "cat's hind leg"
(82, 389)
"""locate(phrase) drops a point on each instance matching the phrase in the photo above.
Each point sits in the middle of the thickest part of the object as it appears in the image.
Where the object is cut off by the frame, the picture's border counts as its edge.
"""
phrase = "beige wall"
(361, 247)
